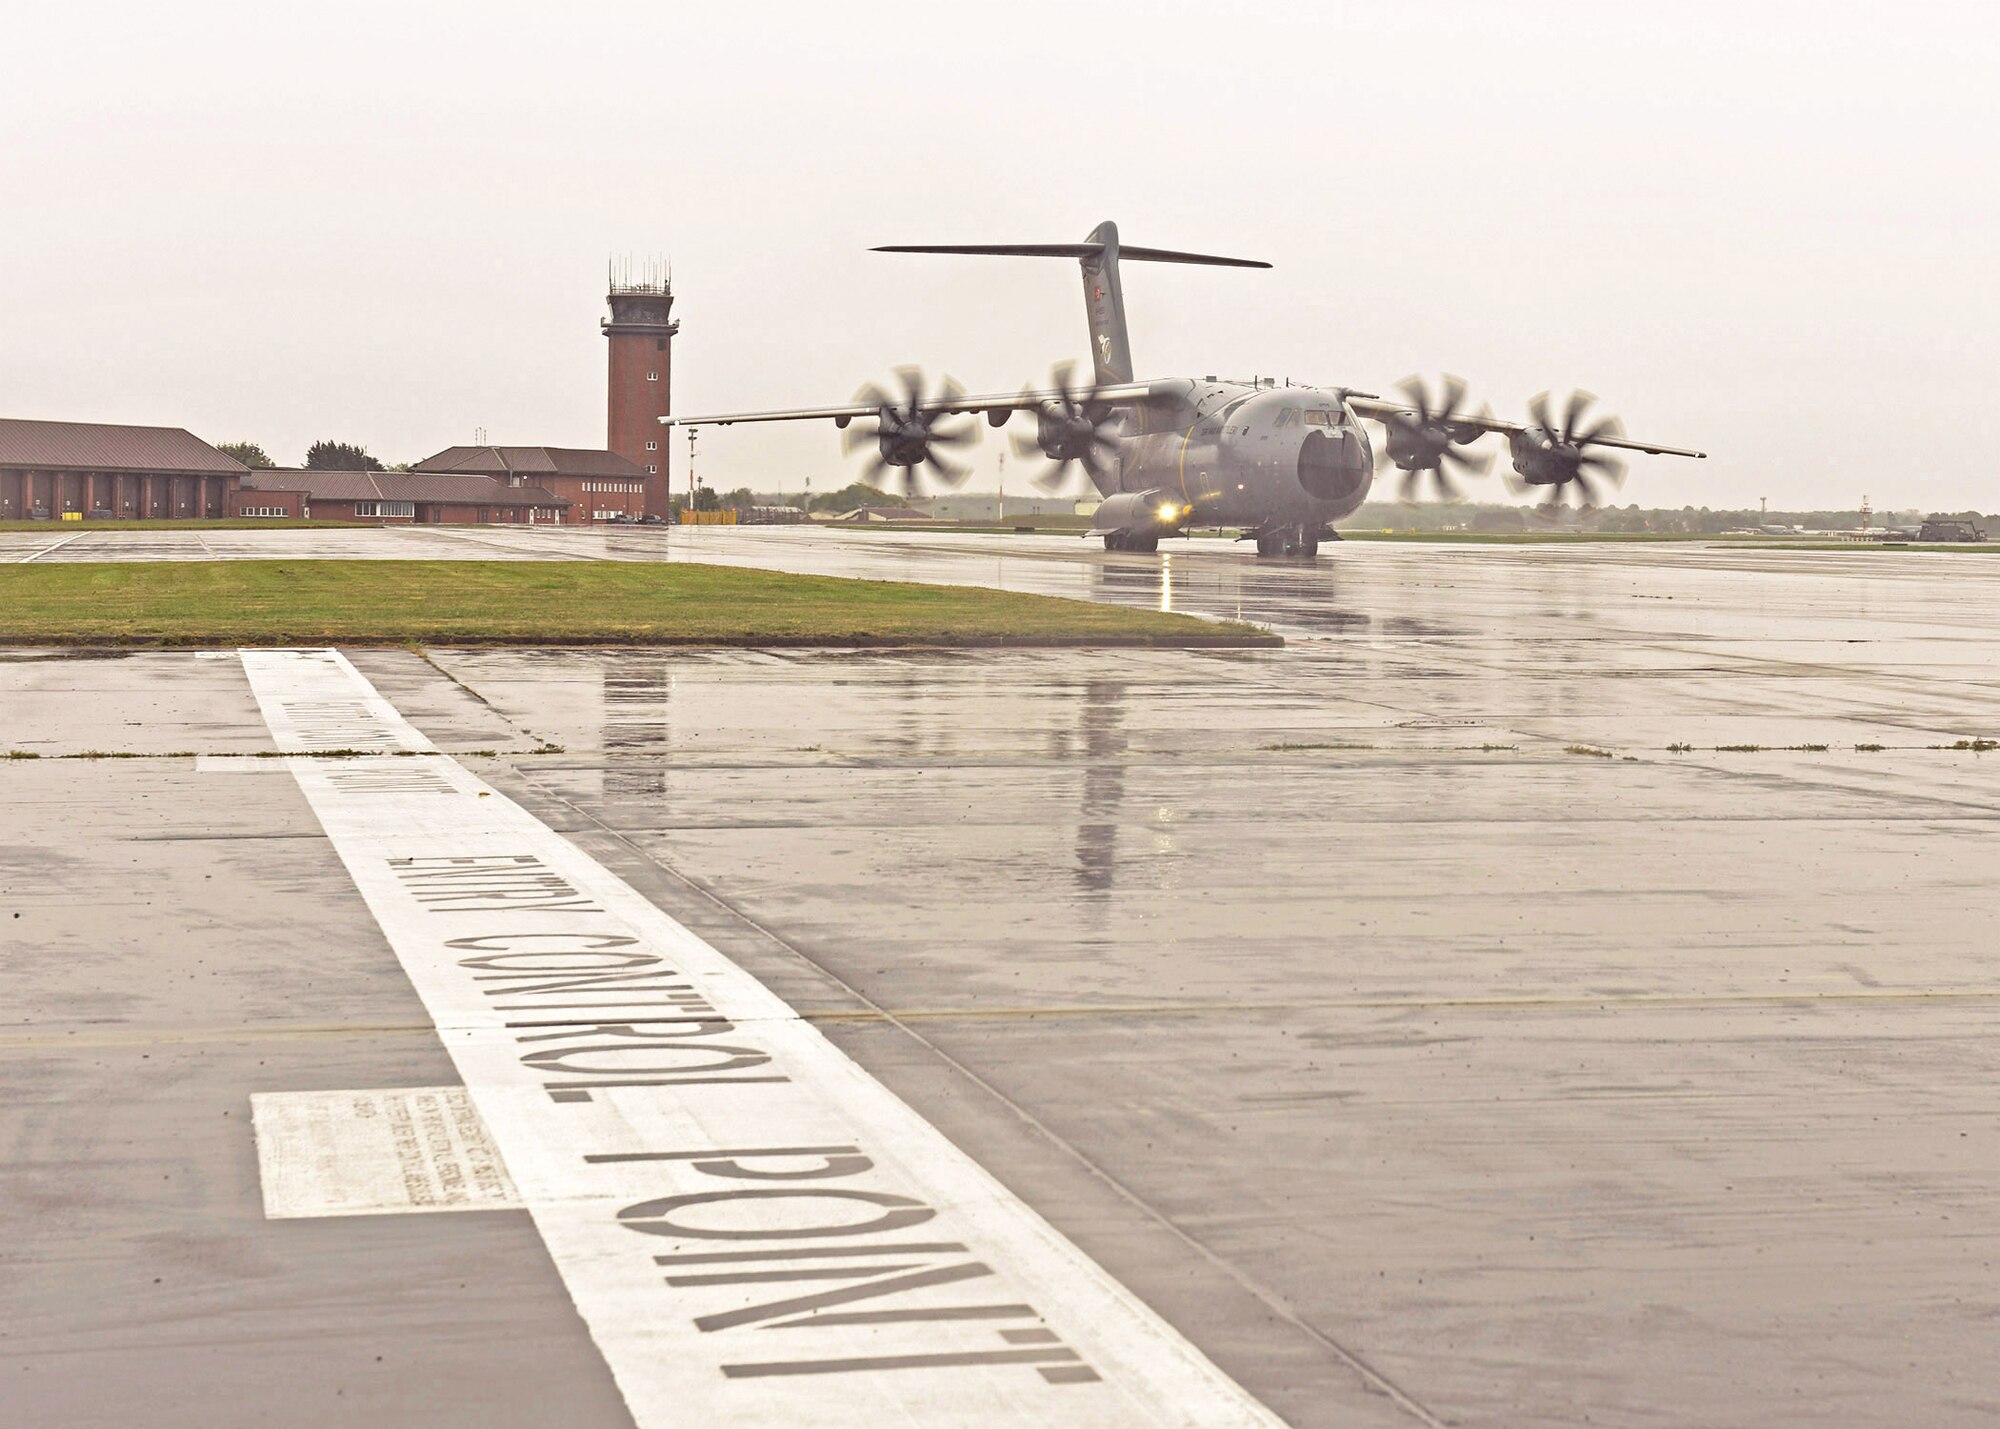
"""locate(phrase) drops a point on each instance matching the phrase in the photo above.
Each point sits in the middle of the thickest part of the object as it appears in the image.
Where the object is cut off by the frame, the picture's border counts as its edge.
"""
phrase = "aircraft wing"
(990, 405)
(1376, 408)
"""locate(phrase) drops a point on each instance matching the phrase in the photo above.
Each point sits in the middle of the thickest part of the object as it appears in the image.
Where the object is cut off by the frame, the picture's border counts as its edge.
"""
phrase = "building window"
(651, 470)
(652, 377)
(652, 446)
(265, 511)
(385, 508)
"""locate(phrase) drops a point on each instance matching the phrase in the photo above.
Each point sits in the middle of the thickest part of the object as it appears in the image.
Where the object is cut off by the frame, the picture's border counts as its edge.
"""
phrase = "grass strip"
(547, 603)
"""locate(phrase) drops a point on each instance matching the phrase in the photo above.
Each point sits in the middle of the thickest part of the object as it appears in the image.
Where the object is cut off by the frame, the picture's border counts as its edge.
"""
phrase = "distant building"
(866, 515)
(593, 485)
(76, 471)
(979, 506)
(395, 498)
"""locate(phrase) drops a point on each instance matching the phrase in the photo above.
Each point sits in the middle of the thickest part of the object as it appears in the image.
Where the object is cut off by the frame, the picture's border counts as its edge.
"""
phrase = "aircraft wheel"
(1145, 545)
(1308, 542)
(1114, 541)
(1270, 543)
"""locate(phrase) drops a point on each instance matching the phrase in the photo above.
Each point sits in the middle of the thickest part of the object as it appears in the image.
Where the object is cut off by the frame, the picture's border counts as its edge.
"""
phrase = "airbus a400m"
(1279, 463)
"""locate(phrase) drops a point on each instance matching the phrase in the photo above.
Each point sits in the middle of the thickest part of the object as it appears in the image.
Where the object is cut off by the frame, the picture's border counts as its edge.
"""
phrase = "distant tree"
(739, 500)
(249, 453)
(399, 466)
(339, 456)
(705, 499)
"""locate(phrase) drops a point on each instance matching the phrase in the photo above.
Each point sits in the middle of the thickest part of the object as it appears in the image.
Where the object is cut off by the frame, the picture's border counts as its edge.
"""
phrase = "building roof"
(100, 446)
(884, 513)
(400, 486)
(531, 461)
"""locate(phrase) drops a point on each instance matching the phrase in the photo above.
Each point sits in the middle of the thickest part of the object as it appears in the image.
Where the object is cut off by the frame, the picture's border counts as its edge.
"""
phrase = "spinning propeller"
(907, 433)
(1556, 455)
(1072, 429)
(1429, 440)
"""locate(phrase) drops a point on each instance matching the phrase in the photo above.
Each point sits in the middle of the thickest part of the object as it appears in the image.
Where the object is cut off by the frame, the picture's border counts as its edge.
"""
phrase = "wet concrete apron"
(1402, 1015)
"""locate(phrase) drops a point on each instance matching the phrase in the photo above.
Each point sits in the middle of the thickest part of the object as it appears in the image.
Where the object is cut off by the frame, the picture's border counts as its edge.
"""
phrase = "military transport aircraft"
(1281, 463)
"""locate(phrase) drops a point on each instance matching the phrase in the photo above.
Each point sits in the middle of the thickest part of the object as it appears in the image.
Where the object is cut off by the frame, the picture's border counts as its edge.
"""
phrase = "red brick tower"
(641, 382)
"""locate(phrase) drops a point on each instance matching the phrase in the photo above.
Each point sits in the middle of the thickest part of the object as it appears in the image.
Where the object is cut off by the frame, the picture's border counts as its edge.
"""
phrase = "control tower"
(641, 331)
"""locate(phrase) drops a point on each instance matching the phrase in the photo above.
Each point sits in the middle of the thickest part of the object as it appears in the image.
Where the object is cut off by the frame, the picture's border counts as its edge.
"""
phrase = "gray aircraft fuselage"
(1234, 454)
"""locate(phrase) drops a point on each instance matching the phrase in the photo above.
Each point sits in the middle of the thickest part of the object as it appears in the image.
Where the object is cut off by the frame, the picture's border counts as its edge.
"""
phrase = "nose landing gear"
(1289, 541)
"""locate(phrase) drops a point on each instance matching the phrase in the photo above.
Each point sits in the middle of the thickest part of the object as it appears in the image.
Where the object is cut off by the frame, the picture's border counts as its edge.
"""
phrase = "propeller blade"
(950, 473)
(1412, 387)
(913, 388)
(1579, 403)
(1446, 490)
(1538, 411)
(1609, 427)
(1053, 478)
(1609, 468)
(1063, 379)
(1478, 465)
(1454, 393)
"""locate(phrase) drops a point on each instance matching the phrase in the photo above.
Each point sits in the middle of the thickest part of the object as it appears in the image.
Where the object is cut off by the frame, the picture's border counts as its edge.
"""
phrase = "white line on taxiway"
(755, 1230)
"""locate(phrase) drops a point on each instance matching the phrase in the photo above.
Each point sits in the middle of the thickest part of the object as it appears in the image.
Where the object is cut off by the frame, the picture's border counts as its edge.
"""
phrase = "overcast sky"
(1765, 229)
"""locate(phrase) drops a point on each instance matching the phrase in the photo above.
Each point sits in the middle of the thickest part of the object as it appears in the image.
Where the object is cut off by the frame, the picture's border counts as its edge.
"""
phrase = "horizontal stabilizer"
(1070, 250)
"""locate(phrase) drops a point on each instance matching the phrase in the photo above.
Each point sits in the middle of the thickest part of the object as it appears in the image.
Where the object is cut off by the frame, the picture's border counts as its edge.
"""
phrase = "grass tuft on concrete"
(547, 603)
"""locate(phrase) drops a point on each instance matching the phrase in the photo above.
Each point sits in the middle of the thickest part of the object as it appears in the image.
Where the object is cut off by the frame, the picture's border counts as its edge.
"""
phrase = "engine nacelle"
(1540, 460)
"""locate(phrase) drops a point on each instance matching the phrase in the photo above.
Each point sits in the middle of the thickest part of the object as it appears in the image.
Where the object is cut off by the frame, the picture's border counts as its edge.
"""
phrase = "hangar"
(74, 471)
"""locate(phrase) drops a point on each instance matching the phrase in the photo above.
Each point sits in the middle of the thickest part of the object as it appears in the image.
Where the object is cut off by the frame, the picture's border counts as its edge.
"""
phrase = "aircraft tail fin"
(1103, 294)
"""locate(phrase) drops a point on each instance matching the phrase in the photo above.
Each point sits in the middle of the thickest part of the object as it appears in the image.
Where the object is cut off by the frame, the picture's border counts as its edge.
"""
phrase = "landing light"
(1169, 512)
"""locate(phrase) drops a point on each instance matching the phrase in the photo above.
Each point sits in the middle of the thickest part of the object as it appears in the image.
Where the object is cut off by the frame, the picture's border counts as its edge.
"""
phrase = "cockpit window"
(1321, 417)
(1287, 417)
(1224, 414)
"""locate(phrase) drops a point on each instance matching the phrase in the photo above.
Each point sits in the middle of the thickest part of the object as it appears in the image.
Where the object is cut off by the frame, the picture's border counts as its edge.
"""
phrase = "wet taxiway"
(1555, 989)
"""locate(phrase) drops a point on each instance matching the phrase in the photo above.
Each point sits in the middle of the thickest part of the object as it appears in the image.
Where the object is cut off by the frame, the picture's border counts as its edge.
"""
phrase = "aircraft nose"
(1333, 465)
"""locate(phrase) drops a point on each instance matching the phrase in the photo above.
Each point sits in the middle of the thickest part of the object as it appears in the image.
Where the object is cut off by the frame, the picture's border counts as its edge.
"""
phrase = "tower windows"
(652, 446)
(652, 377)
(652, 470)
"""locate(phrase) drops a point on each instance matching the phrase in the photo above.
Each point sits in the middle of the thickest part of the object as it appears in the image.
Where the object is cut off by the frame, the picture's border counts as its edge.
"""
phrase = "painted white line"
(52, 546)
(755, 1230)
(376, 1153)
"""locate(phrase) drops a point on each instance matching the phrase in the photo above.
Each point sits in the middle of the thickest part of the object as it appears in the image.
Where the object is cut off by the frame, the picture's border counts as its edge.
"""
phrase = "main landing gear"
(1289, 541)
(1130, 541)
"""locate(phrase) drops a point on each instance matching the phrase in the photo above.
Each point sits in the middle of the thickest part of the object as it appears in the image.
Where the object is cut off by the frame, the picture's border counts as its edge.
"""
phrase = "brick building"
(594, 485)
(79, 470)
(75, 471)
(396, 498)
(639, 385)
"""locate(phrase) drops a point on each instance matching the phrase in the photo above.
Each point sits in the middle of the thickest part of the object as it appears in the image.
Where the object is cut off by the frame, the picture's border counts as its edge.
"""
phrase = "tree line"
(320, 456)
